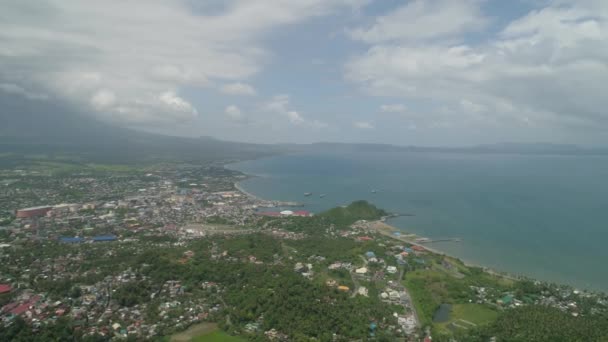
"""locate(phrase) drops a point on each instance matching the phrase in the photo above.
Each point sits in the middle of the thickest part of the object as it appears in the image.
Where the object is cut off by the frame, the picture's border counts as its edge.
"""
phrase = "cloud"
(136, 50)
(294, 117)
(238, 89)
(103, 99)
(171, 101)
(421, 20)
(393, 108)
(11, 88)
(280, 104)
(234, 113)
(545, 69)
(363, 125)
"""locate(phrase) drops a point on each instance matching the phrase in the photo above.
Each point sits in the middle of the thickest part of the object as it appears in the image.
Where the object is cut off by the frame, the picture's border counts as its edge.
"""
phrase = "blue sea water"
(545, 216)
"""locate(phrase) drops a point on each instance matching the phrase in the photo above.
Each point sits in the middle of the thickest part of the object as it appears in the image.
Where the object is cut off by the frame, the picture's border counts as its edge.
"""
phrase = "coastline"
(388, 230)
(238, 187)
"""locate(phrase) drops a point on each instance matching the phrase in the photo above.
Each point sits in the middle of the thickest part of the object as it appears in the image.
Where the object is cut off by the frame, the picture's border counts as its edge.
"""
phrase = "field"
(195, 331)
(465, 316)
(217, 336)
(439, 284)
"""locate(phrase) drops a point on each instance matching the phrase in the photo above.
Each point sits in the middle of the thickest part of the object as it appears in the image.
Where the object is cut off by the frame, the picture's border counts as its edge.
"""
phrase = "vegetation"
(539, 324)
(217, 336)
(359, 210)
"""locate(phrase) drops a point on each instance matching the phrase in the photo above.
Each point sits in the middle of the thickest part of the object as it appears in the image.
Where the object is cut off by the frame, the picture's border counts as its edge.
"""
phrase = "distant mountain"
(44, 127)
(515, 148)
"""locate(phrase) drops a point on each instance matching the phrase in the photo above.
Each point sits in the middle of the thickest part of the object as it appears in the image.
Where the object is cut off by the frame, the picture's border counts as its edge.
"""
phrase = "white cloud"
(363, 125)
(103, 99)
(234, 113)
(238, 89)
(294, 117)
(393, 108)
(424, 19)
(82, 51)
(547, 68)
(280, 105)
(170, 100)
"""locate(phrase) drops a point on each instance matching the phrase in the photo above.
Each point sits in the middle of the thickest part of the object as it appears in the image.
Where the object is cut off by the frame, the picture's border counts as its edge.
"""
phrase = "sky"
(419, 72)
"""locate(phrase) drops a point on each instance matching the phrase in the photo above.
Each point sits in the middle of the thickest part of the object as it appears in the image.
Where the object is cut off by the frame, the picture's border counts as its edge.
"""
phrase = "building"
(103, 238)
(66, 239)
(33, 212)
(5, 288)
(361, 270)
(302, 213)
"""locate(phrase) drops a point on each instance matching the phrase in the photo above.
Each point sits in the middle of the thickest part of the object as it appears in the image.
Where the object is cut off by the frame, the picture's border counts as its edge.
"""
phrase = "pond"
(442, 314)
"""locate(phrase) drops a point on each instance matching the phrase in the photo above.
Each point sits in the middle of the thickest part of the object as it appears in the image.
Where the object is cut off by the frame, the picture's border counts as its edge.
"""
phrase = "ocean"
(542, 216)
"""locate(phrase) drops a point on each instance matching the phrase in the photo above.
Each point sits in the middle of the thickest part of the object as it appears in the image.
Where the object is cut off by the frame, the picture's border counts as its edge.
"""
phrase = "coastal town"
(102, 253)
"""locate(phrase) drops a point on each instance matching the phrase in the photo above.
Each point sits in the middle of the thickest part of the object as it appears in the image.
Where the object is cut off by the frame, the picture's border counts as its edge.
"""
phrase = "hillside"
(51, 129)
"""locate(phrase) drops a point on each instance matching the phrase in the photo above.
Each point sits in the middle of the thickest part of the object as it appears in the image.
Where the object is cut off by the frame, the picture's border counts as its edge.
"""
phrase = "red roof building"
(5, 288)
(418, 248)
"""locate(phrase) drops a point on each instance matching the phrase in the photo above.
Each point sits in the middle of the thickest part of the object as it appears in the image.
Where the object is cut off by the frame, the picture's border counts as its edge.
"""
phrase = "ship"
(321, 195)
(307, 194)
(374, 191)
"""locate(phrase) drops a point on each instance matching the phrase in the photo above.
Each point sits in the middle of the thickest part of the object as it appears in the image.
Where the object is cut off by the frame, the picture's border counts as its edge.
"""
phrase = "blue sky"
(421, 72)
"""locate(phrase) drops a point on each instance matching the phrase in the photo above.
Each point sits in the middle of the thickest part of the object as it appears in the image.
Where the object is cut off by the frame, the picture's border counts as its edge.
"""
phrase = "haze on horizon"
(420, 72)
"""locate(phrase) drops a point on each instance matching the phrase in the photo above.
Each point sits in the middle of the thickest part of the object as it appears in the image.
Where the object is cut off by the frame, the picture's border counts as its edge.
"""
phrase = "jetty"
(425, 240)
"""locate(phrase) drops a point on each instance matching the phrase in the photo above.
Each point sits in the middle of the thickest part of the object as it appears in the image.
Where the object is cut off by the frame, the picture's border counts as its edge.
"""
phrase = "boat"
(307, 194)
(321, 195)
(374, 191)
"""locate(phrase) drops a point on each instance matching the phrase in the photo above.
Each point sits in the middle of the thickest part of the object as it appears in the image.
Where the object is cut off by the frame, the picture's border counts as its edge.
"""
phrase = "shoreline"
(238, 187)
(388, 230)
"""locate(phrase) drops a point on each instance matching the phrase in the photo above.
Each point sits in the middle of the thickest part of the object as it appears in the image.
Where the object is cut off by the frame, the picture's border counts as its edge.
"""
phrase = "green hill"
(358, 210)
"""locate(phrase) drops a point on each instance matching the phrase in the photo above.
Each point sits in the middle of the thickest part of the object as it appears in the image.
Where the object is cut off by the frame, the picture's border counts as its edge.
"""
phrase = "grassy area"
(468, 316)
(475, 313)
(195, 331)
(217, 336)
(436, 285)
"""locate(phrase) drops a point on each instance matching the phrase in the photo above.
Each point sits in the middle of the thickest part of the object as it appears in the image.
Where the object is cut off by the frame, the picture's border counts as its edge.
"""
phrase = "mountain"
(501, 148)
(50, 128)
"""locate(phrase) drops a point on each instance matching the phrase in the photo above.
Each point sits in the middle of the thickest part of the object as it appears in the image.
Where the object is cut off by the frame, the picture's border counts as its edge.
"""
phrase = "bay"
(543, 216)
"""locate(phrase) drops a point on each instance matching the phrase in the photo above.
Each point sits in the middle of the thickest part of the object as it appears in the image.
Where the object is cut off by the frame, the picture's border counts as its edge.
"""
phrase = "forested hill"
(358, 210)
(38, 127)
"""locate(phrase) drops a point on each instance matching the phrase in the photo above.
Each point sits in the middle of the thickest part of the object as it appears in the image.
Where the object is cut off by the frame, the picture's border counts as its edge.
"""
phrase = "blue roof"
(104, 238)
(407, 249)
(370, 254)
(66, 239)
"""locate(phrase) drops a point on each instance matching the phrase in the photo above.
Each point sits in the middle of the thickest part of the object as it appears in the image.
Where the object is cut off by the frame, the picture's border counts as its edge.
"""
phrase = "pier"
(424, 240)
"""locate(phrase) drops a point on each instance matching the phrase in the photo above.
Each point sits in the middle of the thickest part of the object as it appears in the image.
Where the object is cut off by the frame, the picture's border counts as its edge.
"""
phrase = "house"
(343, 288)
(418, 248)
(370, 255)
(5, 288)
(361, 270)
(391, 269)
